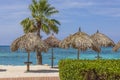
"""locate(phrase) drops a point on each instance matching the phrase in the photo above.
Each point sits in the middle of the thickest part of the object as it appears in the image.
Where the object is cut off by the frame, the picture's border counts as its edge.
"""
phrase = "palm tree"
(40, 20)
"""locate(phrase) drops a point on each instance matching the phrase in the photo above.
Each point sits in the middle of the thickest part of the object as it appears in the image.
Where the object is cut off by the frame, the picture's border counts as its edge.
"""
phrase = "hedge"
(89, 69)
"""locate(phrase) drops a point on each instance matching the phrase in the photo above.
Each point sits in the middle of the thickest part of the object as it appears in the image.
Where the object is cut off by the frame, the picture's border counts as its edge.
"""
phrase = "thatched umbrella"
(116, 47)
(29, 42)
(80, 41)
(102, 40)
(52, 42)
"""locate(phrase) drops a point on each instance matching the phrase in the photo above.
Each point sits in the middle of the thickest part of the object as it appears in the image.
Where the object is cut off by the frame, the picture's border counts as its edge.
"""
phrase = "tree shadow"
(56, 67)
(42, 71)
(2, 70)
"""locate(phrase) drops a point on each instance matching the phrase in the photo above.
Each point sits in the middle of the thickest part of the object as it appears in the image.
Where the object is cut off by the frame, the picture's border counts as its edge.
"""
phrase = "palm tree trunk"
(39, 58)
(28, 65)
(39, 55)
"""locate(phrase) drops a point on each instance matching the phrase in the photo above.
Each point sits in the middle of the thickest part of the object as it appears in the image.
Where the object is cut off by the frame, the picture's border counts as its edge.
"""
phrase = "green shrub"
(89, 69)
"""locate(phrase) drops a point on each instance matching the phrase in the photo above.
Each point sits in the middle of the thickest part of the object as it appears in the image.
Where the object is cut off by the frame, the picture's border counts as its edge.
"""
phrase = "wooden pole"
(98, 56)
(52, 57)
(78, 54)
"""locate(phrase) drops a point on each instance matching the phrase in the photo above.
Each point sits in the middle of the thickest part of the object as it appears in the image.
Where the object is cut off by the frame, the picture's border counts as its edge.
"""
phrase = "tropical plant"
(100, 69)
(41, 20)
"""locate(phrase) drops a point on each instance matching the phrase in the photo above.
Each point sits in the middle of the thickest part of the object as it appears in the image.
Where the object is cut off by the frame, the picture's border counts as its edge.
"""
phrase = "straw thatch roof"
(52, 41)
(29, 42)
(80, 41)
(116, 47)
(66, 42)
(102, 39)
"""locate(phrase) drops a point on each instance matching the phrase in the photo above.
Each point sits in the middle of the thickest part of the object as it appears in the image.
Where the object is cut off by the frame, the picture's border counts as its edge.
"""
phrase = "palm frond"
(45, 28)
(54, 28)
(41, 12)
(56, 21)
(28, 25)
(50, 11)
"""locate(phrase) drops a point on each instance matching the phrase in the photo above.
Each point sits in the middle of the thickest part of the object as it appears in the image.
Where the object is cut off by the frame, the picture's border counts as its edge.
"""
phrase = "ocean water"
(19, 57)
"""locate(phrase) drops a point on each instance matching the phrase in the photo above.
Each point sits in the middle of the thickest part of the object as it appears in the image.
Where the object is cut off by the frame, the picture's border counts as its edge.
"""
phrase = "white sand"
(9, 71)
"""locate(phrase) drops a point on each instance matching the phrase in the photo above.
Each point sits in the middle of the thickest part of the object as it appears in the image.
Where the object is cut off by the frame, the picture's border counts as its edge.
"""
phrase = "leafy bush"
(89, 69)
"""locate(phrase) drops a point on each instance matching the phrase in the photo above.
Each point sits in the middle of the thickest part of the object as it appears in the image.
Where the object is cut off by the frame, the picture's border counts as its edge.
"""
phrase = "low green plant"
(89, 69)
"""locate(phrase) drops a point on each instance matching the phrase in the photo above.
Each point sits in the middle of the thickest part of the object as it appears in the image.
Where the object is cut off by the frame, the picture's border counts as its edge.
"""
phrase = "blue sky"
(90, 15)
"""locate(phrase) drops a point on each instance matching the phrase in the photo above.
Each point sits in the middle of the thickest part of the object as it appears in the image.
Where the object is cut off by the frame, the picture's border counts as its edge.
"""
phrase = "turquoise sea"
(19, 57)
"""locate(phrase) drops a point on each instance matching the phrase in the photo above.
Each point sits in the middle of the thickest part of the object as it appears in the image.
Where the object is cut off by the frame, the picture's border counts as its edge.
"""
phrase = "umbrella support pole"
(78, 54)
(52, 59)
(28, 67)
(98, 56)
(28, 62)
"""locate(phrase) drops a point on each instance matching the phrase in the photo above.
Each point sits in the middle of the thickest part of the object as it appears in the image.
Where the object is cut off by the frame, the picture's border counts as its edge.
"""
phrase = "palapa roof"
(66, 42)
(52, 41)
(102, 39)
(116, 47)
(81, 41)
(29, 42)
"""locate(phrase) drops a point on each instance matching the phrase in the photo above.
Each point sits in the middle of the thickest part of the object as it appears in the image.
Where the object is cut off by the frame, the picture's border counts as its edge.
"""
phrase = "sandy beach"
(9, 71)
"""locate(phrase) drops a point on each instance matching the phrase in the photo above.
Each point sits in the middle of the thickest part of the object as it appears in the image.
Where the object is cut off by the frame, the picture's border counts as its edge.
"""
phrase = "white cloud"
(95, 7)
(77, 4)
(13, 12)
(114, 12)
(72, 14)
(67, 4)
(14, 15)
(13, 7)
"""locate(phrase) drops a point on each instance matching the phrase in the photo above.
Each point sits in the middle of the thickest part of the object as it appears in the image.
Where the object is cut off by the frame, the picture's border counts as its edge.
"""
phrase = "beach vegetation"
(89, 69)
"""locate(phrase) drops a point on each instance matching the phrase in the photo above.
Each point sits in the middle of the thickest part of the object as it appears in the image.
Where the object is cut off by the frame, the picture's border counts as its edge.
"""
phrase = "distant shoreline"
(5, 45)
